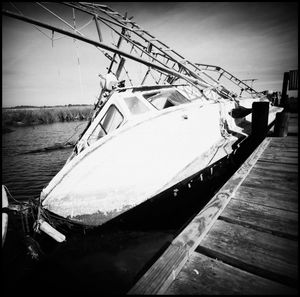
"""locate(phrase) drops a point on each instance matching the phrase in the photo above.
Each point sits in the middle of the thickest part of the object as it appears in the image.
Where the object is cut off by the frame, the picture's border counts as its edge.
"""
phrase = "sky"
(249, 39)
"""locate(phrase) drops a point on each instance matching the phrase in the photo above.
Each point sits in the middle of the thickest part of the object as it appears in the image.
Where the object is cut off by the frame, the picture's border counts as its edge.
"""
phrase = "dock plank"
(272, 198)
(275, 167)
(260, 183)
(279, 153)
(275, 176)
(280, 159)
(158, 277)
(284, 146)
(268, 219)
(278, 175)
(257, 252)
(289, 141)
(277, 148)
(203, 275)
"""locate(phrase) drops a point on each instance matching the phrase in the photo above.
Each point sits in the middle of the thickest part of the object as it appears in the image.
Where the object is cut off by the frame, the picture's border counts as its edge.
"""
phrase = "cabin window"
(165, 99)
(110, 121)
(135, 105)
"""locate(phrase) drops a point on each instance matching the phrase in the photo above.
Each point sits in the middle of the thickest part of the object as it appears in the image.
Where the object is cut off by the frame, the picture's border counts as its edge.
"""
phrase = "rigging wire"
(80, 28)
(55, 57)
(77, 55)
(21, 13)
(157, 82)
(112, 37)
(128, 76)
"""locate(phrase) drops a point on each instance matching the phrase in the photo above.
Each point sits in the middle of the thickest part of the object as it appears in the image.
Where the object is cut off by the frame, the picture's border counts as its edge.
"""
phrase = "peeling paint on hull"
(98, 218)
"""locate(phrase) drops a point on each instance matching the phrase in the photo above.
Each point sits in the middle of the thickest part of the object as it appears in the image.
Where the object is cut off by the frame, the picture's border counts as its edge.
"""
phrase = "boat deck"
(245, 240)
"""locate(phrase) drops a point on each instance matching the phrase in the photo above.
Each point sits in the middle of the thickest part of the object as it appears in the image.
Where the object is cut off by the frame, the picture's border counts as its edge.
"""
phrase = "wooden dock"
(245, 240)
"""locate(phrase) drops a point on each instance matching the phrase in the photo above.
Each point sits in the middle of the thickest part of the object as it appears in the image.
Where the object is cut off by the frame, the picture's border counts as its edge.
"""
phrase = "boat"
(143, 140)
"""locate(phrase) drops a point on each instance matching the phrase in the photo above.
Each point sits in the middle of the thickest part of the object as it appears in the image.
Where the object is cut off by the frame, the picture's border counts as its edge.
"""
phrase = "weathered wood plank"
(285, 183)
(279, 148)
(279, 159)
(264, 218)
(203, 275)
(257, 252)
(164, 271)
(287, 187)
(285, 139)
(289, 141)
(283, 146)
(280, 154)
(275, 167)
(287, 153)
(275, 176)
(271, 198)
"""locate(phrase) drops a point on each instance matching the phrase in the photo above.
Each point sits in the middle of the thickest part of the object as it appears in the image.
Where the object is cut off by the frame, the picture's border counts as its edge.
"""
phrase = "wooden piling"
(284, 96)
(281, 124)
(260, 114)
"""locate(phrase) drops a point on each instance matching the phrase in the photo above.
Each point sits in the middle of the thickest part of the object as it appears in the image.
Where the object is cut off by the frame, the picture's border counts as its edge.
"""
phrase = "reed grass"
(44, 115)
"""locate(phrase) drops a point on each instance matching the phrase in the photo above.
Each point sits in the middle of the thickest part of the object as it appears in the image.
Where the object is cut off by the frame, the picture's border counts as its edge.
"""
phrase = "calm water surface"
(26, 175)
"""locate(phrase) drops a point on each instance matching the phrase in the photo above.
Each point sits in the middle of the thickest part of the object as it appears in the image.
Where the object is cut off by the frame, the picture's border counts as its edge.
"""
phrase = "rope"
(76, 128)
(17, 201)
(11, 196)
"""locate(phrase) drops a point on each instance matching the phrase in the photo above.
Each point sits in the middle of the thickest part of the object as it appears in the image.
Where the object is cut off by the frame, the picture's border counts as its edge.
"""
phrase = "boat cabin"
(130, 104)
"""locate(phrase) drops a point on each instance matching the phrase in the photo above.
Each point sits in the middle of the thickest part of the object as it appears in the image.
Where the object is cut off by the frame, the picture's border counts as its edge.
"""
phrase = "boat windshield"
(109, 122)
(135, 105)
(166, 98)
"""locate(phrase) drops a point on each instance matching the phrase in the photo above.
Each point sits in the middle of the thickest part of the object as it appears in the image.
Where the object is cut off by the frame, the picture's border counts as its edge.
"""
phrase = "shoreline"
(32, 116)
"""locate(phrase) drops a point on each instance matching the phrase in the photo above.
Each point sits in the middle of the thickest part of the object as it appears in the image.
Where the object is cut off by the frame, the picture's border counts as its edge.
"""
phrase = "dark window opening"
(110, 122)
(166, 98)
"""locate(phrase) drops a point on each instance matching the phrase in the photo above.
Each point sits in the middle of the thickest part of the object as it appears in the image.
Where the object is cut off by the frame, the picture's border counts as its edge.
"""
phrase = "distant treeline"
(26, 116)
(45, 106)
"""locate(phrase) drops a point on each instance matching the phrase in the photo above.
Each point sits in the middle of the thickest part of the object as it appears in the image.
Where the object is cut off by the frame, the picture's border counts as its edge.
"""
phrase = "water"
(26, 175)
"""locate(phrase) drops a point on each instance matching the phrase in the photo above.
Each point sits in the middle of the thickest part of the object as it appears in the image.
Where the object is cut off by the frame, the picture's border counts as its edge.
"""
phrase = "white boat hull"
(134, 164)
